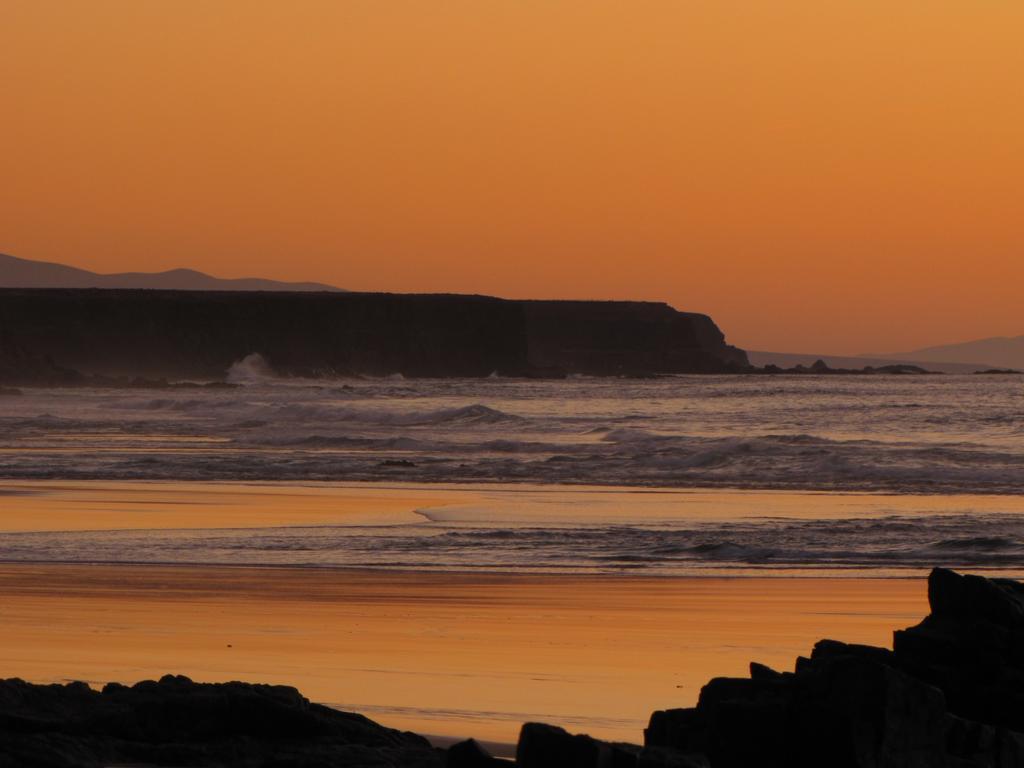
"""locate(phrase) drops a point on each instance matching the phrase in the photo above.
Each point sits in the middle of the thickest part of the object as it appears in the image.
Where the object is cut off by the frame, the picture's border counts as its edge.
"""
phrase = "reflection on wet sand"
(134, 505)
(450, 654)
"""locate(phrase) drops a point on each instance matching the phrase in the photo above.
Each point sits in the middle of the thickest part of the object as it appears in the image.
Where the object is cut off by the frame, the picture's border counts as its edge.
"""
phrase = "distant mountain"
(791, 359)
(996, 352)
(24, 273)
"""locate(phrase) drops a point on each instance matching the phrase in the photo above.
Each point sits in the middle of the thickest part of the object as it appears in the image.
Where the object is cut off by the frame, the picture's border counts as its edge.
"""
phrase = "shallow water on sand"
(511, 529)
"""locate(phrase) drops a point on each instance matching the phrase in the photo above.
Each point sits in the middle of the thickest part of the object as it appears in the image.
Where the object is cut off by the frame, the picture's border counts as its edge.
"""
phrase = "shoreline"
(540, 530)
(744, 574)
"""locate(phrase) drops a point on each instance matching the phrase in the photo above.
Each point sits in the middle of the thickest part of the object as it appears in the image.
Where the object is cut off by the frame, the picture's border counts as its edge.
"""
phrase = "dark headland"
(115, 337)
(65, 336)
(949, 694)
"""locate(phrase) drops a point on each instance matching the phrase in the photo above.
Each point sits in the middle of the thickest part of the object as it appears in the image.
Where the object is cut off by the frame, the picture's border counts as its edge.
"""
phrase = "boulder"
(659, 757)
(175, 721)
(548, 746)
(470, 754)
(971, 647)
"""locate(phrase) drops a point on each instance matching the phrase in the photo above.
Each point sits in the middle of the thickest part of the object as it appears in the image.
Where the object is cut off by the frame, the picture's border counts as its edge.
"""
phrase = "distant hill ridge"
(994, 352)
(25, 273)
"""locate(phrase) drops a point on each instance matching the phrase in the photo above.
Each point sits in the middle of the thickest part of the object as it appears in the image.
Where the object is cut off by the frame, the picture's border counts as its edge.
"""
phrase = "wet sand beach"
(439, 653)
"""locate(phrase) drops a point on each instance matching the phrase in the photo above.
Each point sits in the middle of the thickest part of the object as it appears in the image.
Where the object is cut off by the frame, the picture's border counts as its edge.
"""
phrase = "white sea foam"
(251, 369)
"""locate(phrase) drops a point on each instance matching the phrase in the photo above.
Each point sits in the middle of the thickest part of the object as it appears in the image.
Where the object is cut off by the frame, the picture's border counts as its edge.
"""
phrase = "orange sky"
(819, 175)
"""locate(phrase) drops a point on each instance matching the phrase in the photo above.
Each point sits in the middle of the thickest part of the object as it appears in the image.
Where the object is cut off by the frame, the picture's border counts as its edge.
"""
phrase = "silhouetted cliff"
(625, 337)
(192, 334)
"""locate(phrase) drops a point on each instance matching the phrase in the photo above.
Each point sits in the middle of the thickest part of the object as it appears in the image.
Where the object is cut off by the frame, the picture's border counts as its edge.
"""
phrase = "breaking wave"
(934, 435)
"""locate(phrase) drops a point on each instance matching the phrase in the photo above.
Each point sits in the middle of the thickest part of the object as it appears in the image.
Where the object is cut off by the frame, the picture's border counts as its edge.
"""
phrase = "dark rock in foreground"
(471, 754)
(175, 722)
(949, 695)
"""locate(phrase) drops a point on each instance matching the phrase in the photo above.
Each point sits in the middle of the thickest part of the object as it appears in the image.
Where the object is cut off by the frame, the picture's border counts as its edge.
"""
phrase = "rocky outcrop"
(201, 334)
(950, 694)
(181, 723)
(471, 754)
(821, 368)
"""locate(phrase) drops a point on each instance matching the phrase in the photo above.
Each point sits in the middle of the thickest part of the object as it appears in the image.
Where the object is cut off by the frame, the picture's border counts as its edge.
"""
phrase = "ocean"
(680, 475)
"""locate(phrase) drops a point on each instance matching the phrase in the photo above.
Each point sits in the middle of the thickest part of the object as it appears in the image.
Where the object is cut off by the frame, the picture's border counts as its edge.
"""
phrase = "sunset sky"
(818, 175)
